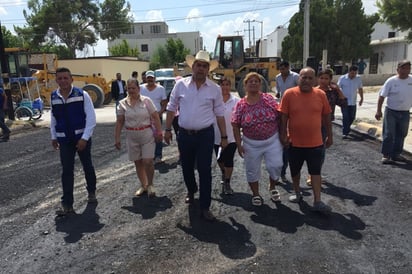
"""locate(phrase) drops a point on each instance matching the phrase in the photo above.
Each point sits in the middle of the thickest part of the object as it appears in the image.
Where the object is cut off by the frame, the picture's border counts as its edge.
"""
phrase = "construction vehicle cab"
(230, 53)
(25, 96)
(42, 66)
(18, 60)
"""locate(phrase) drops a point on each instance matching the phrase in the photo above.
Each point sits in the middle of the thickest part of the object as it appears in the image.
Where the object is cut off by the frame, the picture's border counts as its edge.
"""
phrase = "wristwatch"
(223, 137)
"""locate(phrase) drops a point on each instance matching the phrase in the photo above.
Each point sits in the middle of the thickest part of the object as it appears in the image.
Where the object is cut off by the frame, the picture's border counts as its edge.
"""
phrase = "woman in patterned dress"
(258, 116)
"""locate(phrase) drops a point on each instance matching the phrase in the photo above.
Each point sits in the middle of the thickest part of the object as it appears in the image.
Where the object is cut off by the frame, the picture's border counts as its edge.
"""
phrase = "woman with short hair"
(258, 116)
(137, 113)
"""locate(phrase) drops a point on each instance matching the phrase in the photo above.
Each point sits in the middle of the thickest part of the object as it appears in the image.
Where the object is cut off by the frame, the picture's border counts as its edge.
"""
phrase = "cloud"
(287, 14)
(154, 15)
(370, 7)
(236, 26)
(194, 15)
(7, 7)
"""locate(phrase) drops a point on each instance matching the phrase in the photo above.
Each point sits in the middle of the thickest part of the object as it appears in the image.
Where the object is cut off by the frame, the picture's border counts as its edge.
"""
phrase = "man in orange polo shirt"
(304, 110)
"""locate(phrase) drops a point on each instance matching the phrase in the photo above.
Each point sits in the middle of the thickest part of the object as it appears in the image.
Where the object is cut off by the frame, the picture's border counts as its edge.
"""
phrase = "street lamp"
(261, 36)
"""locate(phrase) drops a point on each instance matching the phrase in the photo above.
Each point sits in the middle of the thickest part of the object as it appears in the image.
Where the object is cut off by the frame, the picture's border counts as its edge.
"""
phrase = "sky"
(210, 17)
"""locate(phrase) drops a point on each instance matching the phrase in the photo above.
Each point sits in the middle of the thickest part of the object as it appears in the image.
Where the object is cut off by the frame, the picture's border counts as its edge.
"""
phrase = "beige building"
(106, 66)
(147, 37)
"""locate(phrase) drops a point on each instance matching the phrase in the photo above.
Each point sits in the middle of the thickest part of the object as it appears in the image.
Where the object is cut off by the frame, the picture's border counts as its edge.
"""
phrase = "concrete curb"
(369, 129)
(374, 132)
(19, 126)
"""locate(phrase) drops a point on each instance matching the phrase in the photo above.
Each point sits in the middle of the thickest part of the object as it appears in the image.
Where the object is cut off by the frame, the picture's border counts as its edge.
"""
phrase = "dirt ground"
(367, 232)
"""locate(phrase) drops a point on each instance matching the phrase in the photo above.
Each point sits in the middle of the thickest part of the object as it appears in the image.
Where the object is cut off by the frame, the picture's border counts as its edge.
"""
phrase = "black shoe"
(5, 138)
(190, 198)
(227, 189)
(399, 158)
(208, 216)
(92, 198)
(66, 210)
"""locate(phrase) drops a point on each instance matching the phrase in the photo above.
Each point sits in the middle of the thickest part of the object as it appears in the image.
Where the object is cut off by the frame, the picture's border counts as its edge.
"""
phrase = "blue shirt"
(350, 87)
(290, 82)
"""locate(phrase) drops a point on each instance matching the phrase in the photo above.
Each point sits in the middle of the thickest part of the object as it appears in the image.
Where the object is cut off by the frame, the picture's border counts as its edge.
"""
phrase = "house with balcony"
(389, 46)
(148, 36)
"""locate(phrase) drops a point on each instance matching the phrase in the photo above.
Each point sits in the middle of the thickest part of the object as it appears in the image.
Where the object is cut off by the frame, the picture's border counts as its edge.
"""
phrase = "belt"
(138, 128)
(194, 132)
(401, 111)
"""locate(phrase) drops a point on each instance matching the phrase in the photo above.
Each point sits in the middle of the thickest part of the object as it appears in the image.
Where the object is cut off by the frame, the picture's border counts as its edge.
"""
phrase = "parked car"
(164, 72)
(166, 78)
(168, 83)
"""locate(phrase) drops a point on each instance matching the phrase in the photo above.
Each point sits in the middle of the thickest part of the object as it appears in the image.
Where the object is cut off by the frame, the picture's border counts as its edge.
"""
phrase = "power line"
(264, 5)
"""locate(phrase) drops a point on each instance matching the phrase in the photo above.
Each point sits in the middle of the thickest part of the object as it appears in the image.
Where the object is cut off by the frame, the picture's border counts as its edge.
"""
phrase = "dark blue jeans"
(3, 125)
(159, 145)
(67, 155)
(197, 147)
(395, 129)
(348, 116)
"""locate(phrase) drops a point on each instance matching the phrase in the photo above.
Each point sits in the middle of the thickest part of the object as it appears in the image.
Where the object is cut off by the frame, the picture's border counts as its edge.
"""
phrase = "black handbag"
(343, 103)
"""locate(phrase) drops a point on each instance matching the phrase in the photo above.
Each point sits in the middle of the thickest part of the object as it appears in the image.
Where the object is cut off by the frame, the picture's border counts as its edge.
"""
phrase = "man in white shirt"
(71, 126)
(157, 93)
(200, 103)
(398, 90)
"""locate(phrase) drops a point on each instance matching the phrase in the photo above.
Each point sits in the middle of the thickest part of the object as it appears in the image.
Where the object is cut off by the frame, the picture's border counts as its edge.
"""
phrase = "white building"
(147, 37)
(272, 44)
(389, 46)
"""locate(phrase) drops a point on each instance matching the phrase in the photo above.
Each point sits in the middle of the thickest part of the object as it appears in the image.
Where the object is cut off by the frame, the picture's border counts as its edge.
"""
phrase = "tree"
(159, 59)
(61, 51)
(119, 11)
(339, 26)
(176, 50)
(10, 40)
(124, 49)
(172, 52)
(354, 31)
(74, 23)
(397, 13)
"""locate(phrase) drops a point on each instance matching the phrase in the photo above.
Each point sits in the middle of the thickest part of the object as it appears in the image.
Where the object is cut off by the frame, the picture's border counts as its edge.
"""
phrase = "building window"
(155, 29)
(130, 31)
(144, 48)
(391, 34)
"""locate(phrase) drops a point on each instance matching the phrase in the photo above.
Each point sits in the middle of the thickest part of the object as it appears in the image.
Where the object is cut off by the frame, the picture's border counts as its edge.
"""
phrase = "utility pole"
(261, 37)
(253, 37)
(306, 22)
(248, 30)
